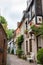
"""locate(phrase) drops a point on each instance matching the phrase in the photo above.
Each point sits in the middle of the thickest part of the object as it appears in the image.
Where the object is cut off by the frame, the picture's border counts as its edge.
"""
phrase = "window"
(42, 7)
(26, 25)
(30, 14)
(27, 47)
(39, 7)
(33, 9)
(30, 43)
(29, 2)
(39, 19)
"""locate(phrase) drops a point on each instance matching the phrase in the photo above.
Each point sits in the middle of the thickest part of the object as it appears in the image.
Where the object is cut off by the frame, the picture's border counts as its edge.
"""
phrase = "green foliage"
(12, 52)
(24, 57)
(37, 30)
(40, 56)
(19, 52)
(26, 31)
(2, 20)
(19, 41)
(9, 33)
(4, 24)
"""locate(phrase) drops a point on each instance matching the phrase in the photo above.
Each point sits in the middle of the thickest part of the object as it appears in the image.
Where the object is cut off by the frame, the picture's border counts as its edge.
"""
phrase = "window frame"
(30, 14)
(33, 8)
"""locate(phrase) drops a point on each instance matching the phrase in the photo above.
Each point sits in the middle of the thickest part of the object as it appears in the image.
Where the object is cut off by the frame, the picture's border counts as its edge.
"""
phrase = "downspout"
(37, 42)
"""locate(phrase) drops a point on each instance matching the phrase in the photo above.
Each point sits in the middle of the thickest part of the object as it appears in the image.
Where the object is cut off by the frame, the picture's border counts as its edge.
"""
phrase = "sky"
(12, 10)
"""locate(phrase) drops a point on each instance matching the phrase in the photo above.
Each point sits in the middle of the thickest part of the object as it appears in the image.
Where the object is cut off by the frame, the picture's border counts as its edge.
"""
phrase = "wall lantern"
(32, 35)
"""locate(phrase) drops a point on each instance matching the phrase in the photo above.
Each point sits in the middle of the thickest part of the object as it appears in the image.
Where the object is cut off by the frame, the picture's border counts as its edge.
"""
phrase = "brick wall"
(3, 47)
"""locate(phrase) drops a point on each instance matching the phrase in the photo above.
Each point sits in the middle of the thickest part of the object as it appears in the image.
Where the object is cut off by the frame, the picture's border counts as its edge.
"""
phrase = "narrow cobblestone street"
(14, 60)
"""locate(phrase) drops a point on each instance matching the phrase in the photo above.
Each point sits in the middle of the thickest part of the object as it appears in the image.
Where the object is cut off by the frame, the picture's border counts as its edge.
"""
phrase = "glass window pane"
(33, 9)
(29, 14)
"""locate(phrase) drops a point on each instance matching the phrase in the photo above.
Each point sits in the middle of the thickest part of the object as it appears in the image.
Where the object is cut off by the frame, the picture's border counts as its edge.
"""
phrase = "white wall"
(23, 28)
(34, 47)
(40, 41)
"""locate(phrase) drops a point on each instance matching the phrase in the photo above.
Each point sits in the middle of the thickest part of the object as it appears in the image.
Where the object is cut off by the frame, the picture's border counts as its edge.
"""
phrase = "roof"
(23, 18)
(3, 29)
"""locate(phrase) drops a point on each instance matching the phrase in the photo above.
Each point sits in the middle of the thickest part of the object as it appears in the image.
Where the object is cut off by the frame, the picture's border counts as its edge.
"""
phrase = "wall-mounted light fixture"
(32, 36)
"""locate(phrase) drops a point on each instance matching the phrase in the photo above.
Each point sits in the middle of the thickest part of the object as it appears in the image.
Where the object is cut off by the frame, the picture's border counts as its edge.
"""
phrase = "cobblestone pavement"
(14, 60)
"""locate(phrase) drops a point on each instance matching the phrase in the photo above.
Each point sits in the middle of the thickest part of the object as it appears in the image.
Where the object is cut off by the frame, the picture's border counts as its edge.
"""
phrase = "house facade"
(23, 28)
(16, 34)
(23, 25)
(3, 46)
(33, 15)
(35, 11)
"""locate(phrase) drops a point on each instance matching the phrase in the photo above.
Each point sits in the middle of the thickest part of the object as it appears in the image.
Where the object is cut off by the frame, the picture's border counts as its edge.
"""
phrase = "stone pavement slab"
(14, 60)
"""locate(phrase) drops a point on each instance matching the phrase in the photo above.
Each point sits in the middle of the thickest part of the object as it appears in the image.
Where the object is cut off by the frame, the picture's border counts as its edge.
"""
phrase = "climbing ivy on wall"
(37, 29)
(19, 41)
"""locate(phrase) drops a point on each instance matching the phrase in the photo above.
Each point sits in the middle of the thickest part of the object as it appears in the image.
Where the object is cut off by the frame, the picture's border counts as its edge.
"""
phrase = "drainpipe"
(37, 42)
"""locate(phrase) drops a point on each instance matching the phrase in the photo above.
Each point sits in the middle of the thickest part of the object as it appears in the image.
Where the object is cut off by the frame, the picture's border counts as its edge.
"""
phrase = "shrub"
(24, 57)
(40, 56)
(12, 52)
(19, 52)
(19, 41)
